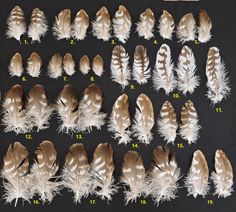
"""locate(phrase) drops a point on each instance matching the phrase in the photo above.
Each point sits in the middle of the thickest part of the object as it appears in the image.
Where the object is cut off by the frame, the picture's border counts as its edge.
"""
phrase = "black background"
(217, 128)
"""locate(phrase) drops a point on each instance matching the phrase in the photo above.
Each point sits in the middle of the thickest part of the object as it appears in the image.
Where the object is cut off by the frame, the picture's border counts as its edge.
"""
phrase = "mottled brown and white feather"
(205, 26)
(55, 66)
(69, 64)
(16, 65)
(166, 25)
(34, 64)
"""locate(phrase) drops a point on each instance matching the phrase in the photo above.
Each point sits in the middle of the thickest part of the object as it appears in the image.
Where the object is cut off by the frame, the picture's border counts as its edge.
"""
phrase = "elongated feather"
(122, 24)
(163, 76)
(38, 25)
(217, 80)
(141, 69)
(143, 119)
(102, 24)
(15, 173)
(167, 123)
(69, 64)
(166, 25)
(222, 177)
(197, 178)
(84, 64)
(146, 24)
(55, 66)
(120, 71)
(205, 25)
(98, 65)
(16, 25)
(34, 64)
(120, 120)
(16, 65)
(186, 69)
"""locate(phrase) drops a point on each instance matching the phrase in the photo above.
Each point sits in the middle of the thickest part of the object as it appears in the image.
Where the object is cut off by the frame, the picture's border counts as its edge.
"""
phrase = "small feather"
(84, 64)
(69, 64)
(55, 66)
(34, 64)
(98, 65)
(16, 65)
(166, 25)
(205, 25)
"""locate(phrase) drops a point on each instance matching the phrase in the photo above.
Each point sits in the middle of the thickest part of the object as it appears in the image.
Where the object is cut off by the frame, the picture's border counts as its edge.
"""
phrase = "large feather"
(143, 119)
(16, 25)
(122, 24)
(189, 128)
(34, 64)
(197, 178)
(16, 65)
(38, 25)
(167, 123)
(223, 175)
(15, 173)
(186, 69)
(67, 109)
(76, 175)
(38, 109)
(120, 120)
(217, 80)
(84, 64)
(69, 64)
(43, 180)
(98, 65)
(14, 114)
(146, 24)
(163, 175)
(102, 24)
(205, 25)
(133, 175)
(55, 66)
(141, 69)
(166, 25)
(90, 109)
(102, 169)
(163, 76)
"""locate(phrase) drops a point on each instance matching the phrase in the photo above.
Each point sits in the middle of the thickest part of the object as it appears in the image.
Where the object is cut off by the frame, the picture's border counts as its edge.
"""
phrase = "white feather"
(69, 64)
(16, 66)
(204, 30)
(55, 66)
(166, 25)
(34, 64)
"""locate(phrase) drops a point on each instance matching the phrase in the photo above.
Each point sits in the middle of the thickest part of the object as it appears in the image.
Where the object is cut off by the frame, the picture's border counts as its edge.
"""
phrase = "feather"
(80, 25)
(204, 30)
(84, 64)
(186, 69)
(217, 80)
(167, 123)
(34, 64)
(120, 71)
(98, 65)
(38, 25)
(76, 175)
(62, 25)
(55, 66)
(102, 169)
(43, 180)
(163, 175)
(89, 109)
(189, 128)
(102, 25)
(197, 178)
(186, 30)
(38, 109)
(163, 76)
(122, 24)
(120, 120)
(14, 114)
(143, 119)
(69, 64)
(67, 109)
(141, 68)
(133, 175)
(16, 65)
(222, 177)
(16, 25)
(146, 24)
(166, 25)
(15, 173)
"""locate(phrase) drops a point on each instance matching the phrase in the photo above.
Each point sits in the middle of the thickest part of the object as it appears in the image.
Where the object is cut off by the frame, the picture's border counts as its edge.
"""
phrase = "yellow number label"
(132, 87)
(79, 136)
(28, 137)
(176, 96)
(180, 145)
(210, 202)
(135, 146)
(72, 42)
(113, 42)
(219, 109)
(65, 78)
(92, 202)
(92, 79)
(24, 79)
(36, 202)
(196, 42)
(155, 42)
(143, 202)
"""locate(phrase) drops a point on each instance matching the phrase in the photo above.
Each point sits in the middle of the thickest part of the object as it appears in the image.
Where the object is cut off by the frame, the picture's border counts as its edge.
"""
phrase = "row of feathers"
(163, 75)
(34, 114)
(160, 182)
(64, 28)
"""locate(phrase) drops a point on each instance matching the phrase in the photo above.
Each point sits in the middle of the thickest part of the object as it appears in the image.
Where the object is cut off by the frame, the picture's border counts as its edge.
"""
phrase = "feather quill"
(167, 123)
(163, 75)
(102, 24)
(143, 119)
(98, 65)
(141, 68)
(120, 71)
(69, 64)
(186, 69)
(16, 25)
(166, 25)
(222, 177)
(146, 24)
(102, 168)
(34, 64)
(55, 66)
(120, 120)
(16, 65)
(84, 64)
(217, 80)
(197, 178)
(122, 24)
(205, 25)
(38, 25)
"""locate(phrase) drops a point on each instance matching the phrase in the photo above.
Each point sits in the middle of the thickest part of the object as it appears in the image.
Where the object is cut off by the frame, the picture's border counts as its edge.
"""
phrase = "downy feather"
(69, 64)
(34, 64)
(84, 64)
(55, 66)
(205, 25)
(98, 65)
(16, 65)
(166, 25)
